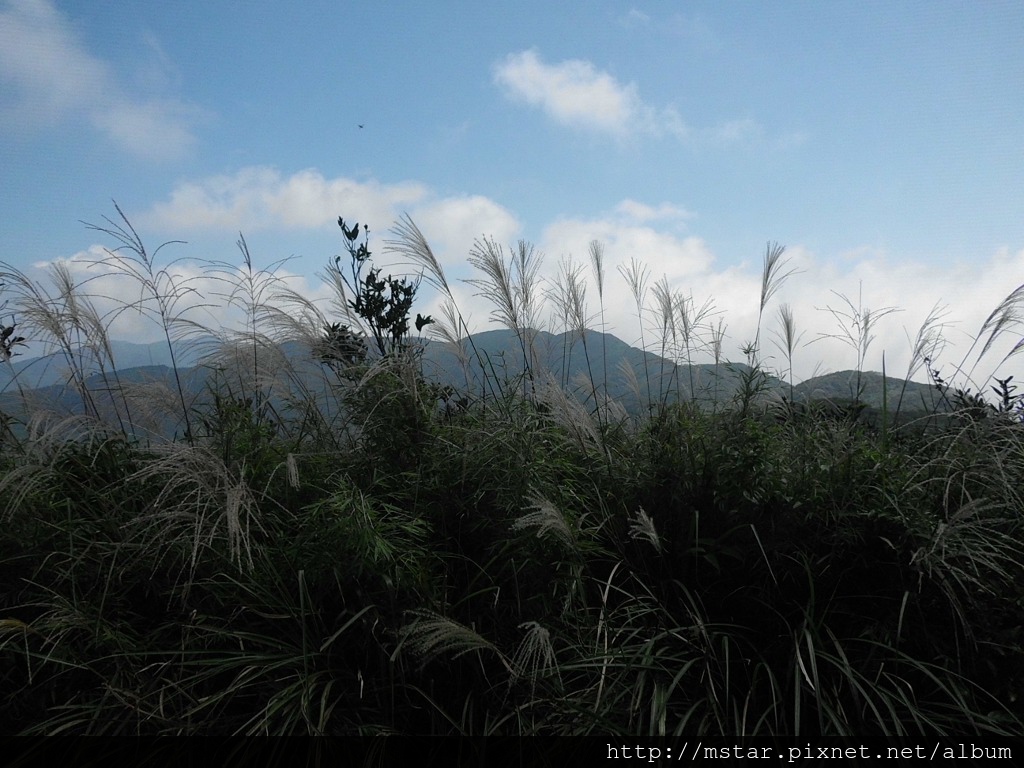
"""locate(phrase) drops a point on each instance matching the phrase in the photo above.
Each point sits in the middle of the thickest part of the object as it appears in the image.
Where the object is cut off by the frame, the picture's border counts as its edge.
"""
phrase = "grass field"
(363, 552)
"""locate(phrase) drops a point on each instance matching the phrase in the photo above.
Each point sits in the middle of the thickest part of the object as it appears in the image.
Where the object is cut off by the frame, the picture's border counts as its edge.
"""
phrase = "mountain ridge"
(632, 374)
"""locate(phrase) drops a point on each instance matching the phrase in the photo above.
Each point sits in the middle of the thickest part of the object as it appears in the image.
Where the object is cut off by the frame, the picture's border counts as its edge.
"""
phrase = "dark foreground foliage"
(380, 556)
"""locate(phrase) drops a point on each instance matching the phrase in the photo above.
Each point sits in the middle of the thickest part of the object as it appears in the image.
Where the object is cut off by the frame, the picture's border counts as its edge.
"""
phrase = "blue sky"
(880, 142)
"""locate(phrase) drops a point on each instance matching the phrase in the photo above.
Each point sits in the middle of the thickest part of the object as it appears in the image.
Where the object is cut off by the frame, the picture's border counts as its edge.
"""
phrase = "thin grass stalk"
(58, 317)
(92, 333)
(1007, 314)
(158, 287)
(291, 315)
(637, 278)
(717, 336)
(691, 320)
(571, 298)
(885, 409)
(509, 288)
(862, 322)
(528, 264)
(590, 375)
(565, 293)
(665, 302)
(317, 419)
(597, 262)
(250, 289)
(683, 305)
(789, 341)
(602, 648)
(926, 346)
(413, 245)
(771, 281)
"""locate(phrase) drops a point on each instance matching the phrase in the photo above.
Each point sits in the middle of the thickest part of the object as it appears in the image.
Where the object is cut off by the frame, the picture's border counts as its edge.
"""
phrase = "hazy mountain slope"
(53, 368)
(634, 377)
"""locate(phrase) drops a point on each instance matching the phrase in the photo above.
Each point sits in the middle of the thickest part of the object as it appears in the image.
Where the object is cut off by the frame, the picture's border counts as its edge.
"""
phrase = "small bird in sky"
(360, 125)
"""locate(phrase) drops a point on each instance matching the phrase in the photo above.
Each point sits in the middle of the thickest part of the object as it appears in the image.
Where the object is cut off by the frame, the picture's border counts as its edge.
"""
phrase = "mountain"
(634, 377)
(843, 386)
(580, 364)
(570, 361)
(53, 368)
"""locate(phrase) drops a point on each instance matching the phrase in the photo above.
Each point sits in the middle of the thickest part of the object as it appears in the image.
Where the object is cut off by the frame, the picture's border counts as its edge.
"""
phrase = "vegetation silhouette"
(319, 536)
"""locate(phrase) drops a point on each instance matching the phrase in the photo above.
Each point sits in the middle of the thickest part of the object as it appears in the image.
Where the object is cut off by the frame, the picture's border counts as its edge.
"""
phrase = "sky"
(881, 143)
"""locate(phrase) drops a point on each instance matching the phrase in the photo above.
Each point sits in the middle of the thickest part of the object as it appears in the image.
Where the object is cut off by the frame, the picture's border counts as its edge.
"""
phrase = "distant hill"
(634, 377)
(46, 370)
(575, 362)
(629, 369)
(843, 386)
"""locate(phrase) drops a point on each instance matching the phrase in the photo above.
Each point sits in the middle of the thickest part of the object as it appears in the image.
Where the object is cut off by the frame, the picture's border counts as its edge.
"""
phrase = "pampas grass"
(323, 550)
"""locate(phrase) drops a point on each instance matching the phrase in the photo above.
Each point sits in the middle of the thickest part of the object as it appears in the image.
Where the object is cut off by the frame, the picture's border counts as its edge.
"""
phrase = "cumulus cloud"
(576, 94)
(259, 197)
(831, 298)
(677, 257)
(130, 313)
(823, 295)
(453, 224)
(262, 199)
(51, 77)
(683, 262)
(828, 296)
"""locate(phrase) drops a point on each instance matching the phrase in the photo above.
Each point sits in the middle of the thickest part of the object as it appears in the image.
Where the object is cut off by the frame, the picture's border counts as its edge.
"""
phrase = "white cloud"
(682, 261)
(53, 78)
(258, 198)
(871, 280)
(158, 129)
(692, 29)
(643, 213)
(677, 257)
(738, 131)
(201, 304)
(41, 58)
(636, 17)
(650, 232)
(453, 224)
(576, 94)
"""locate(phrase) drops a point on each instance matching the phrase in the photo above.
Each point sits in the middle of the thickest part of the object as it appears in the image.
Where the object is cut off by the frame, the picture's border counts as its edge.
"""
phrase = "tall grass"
(162, 295)
(637, 277)
(325, 550)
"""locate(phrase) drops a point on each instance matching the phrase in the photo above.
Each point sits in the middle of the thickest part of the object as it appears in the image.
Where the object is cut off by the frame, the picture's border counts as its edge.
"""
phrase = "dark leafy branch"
(383, 303)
